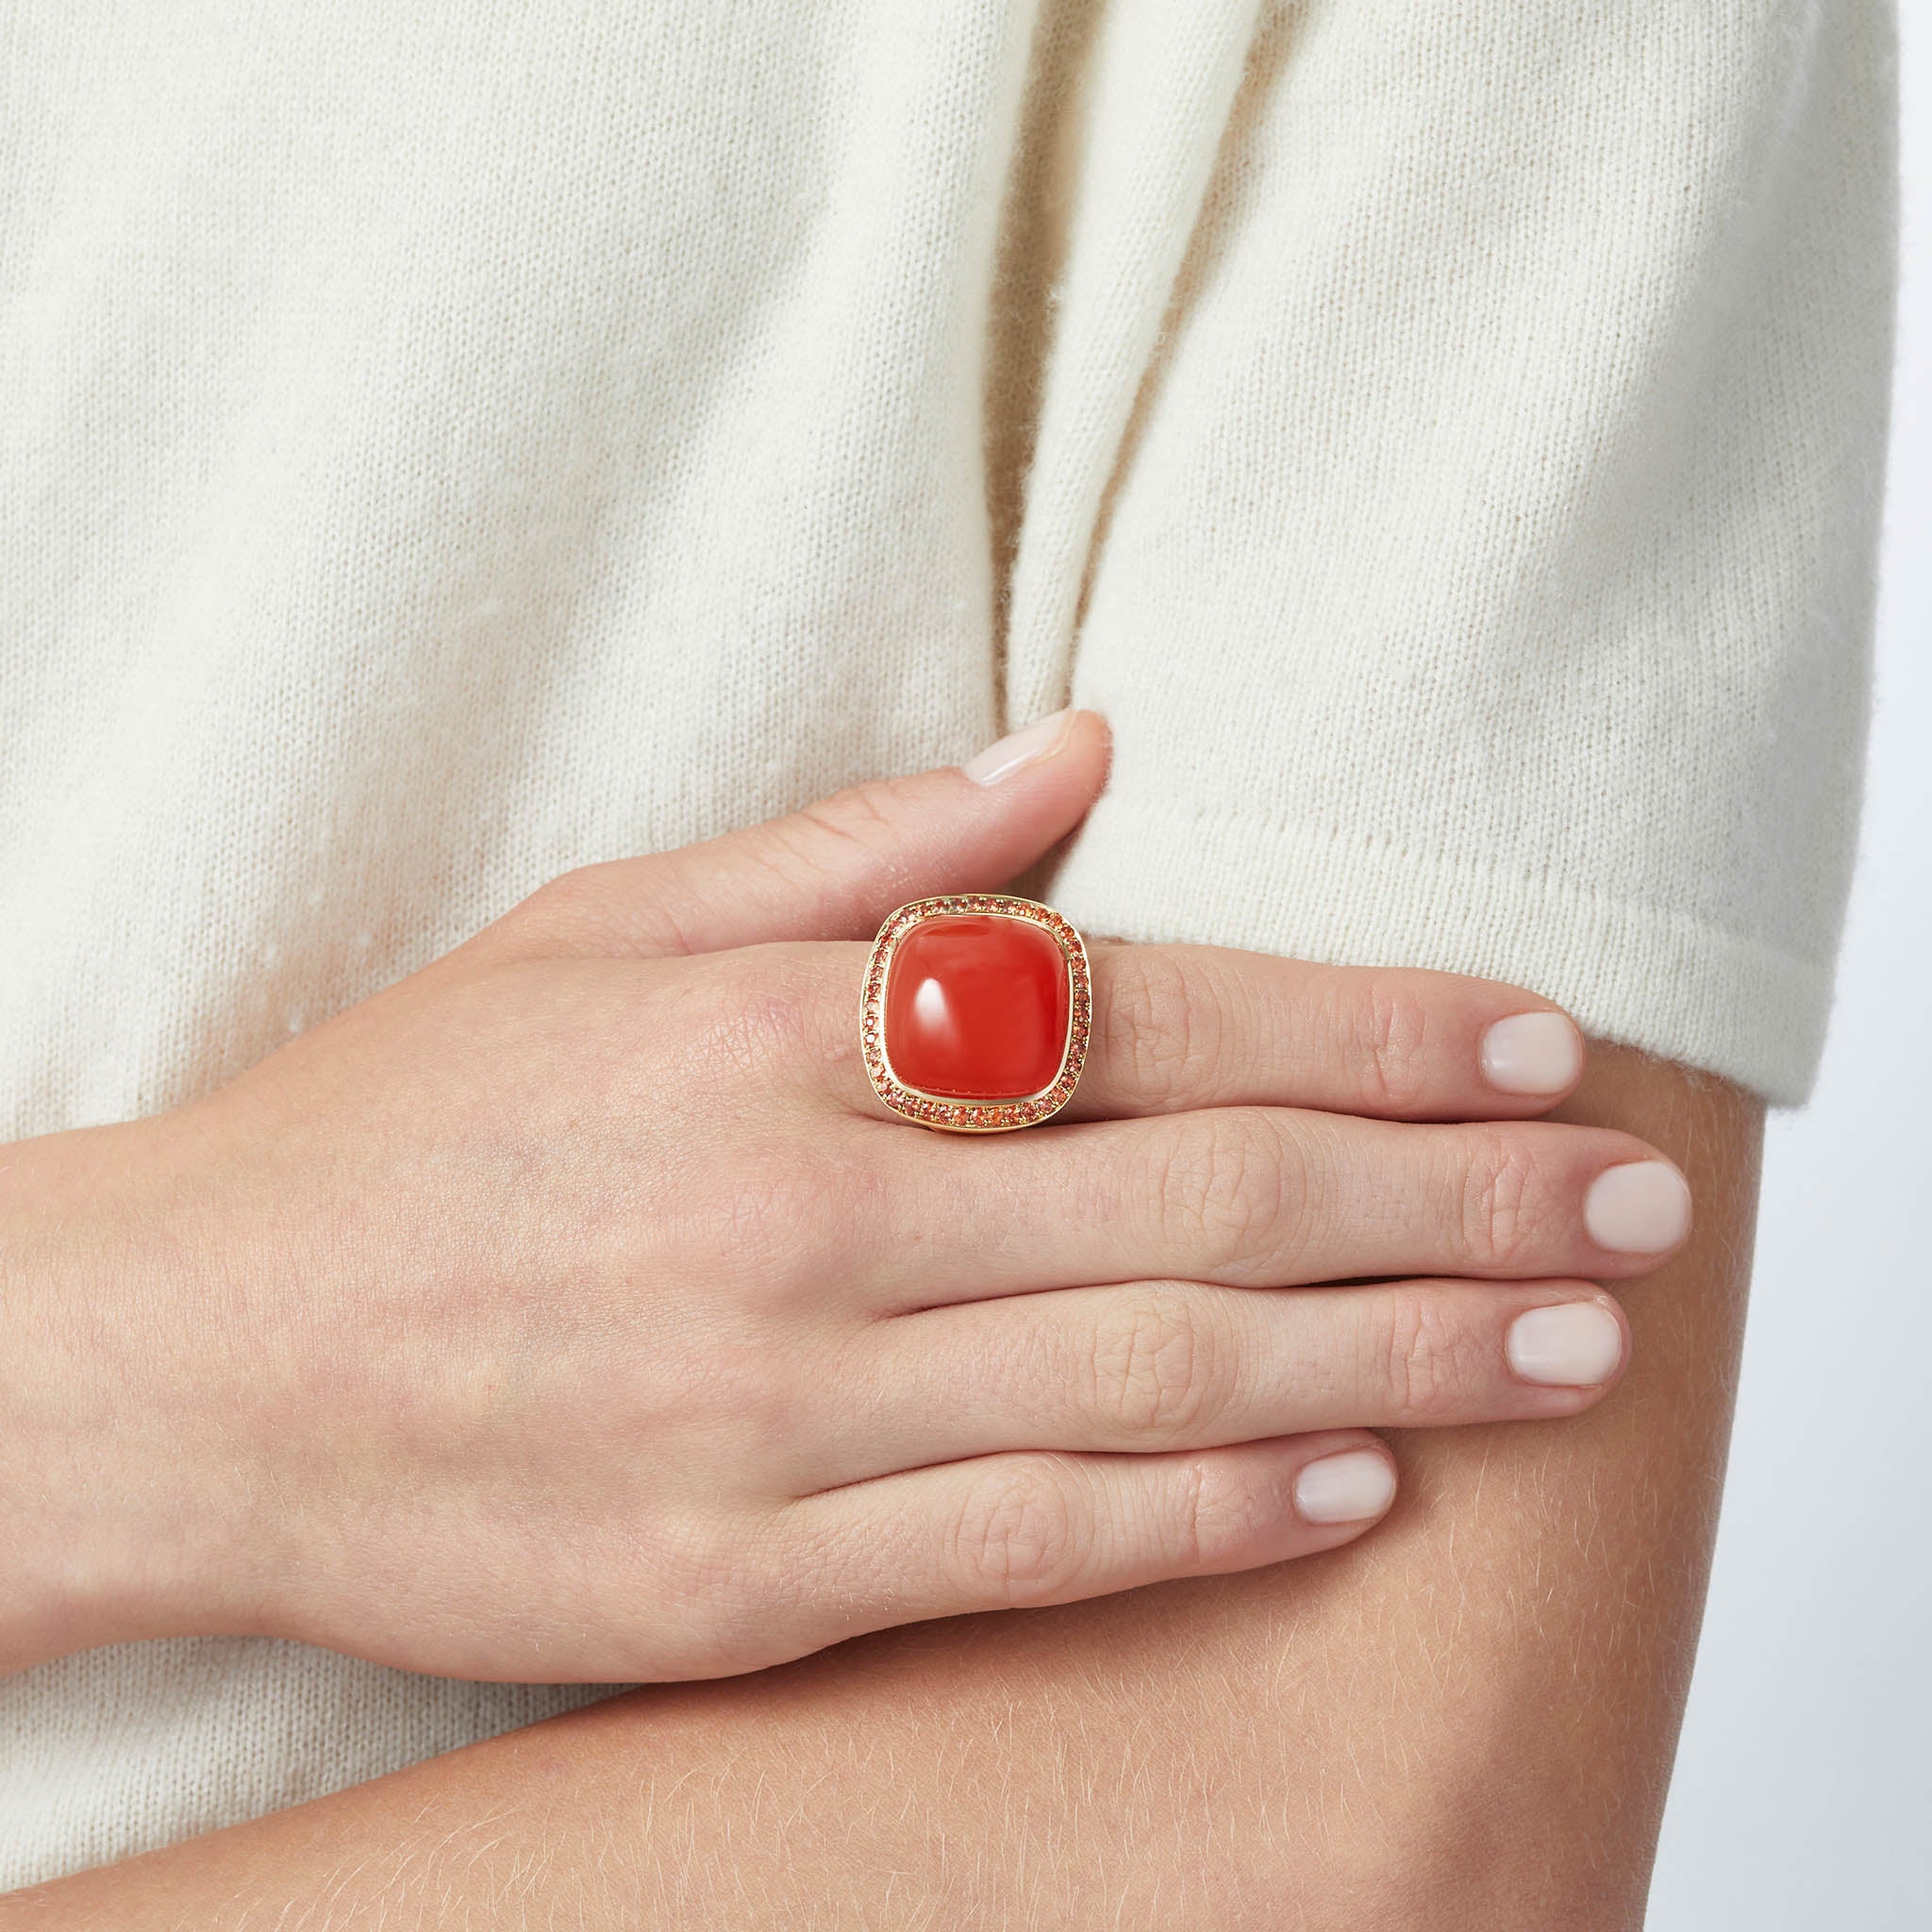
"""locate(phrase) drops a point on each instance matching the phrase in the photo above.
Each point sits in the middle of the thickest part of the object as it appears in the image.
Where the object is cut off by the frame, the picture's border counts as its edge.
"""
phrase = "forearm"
(105, 1500)
(1467, 1718)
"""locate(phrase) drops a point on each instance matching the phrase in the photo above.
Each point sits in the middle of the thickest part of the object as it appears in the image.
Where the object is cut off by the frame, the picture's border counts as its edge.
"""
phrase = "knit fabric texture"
(447, 444)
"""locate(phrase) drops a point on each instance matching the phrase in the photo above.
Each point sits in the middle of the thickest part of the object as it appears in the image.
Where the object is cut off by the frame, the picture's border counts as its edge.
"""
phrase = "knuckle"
(758, 1399)
(567, 889)
(824, 837)
(1234, 1190)
(564, 905)
(1021, 1537)
(1160, 1030)
(1391, 1040)
(734, 1597)
(1430, 1364)
(604, 905)
(770, 1227)
(1158, 1367)
(1501, 1220)
(1190, 1518)
(754, 1219)
(868, 810)
(1221, 1513)
(752, 1018)
(704, 1568)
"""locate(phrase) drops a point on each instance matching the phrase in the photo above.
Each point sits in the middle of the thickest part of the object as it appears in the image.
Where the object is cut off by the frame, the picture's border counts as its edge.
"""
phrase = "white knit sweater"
(445, 442)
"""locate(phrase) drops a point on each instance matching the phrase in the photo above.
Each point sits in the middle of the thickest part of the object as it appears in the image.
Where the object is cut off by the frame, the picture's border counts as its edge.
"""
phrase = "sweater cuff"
(1645, 975)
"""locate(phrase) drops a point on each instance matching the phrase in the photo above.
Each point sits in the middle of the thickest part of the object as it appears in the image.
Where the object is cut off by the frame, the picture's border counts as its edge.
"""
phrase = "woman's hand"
(571, 1309)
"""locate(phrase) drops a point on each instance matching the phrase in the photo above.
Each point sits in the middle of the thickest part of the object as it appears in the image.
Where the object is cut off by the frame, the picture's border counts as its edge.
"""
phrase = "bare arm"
(1465, 1719)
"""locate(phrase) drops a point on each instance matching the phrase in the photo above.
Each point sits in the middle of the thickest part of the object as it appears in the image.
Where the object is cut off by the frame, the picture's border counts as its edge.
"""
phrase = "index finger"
(1180, 1027)
(1176, 1028)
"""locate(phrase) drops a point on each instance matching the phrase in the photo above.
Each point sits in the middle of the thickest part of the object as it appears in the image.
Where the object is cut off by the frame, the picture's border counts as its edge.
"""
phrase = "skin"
(1463, 1721)
(978, 1735)
(573, 1311)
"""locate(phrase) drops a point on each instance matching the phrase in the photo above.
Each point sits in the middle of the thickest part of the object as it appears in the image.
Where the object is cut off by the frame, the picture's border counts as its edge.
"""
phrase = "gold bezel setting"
(942, 1111)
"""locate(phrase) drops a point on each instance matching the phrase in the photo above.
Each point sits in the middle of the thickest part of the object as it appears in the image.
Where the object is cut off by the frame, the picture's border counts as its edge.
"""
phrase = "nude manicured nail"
(1345, 1488)
(1039, 740)
(1533, 1053)
(1572, 1346)
(1641, 1207)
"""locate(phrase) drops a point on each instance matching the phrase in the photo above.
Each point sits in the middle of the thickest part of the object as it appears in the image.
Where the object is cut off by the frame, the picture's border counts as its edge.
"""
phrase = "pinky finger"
(1027, 1528)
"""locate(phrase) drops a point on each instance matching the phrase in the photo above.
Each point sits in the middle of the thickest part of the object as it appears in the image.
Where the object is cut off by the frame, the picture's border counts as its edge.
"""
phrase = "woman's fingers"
(1014, 1531)
(1177, 1028)
(1152, 1366)
(1263, 1197)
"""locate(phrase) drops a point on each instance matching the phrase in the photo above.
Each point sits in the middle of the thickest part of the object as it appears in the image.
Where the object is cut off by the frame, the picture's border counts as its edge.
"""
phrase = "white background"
(1803, 1796)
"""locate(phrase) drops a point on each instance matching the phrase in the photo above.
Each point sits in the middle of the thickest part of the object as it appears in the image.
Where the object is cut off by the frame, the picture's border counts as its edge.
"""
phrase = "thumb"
(835, 869)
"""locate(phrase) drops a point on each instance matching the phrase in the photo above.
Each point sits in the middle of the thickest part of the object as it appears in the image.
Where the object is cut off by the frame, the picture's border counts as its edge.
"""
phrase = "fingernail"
(1532, 1053)
(1345, 1488)
(1570, 1346)
(1641, 1207)
(1039, 740)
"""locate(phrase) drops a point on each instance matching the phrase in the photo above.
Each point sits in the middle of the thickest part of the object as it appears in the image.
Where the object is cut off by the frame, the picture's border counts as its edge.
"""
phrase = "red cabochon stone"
(976, 1007)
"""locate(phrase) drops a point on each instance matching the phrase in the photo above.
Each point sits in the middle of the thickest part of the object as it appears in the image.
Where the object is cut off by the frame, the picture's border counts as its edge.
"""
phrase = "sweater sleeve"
(1485, 580)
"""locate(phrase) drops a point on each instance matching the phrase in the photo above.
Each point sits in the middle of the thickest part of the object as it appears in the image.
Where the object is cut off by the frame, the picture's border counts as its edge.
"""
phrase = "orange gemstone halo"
(954, 1112)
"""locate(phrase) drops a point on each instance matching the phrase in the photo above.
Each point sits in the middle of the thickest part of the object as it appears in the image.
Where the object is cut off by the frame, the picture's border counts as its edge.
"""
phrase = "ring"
(975, 1013)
